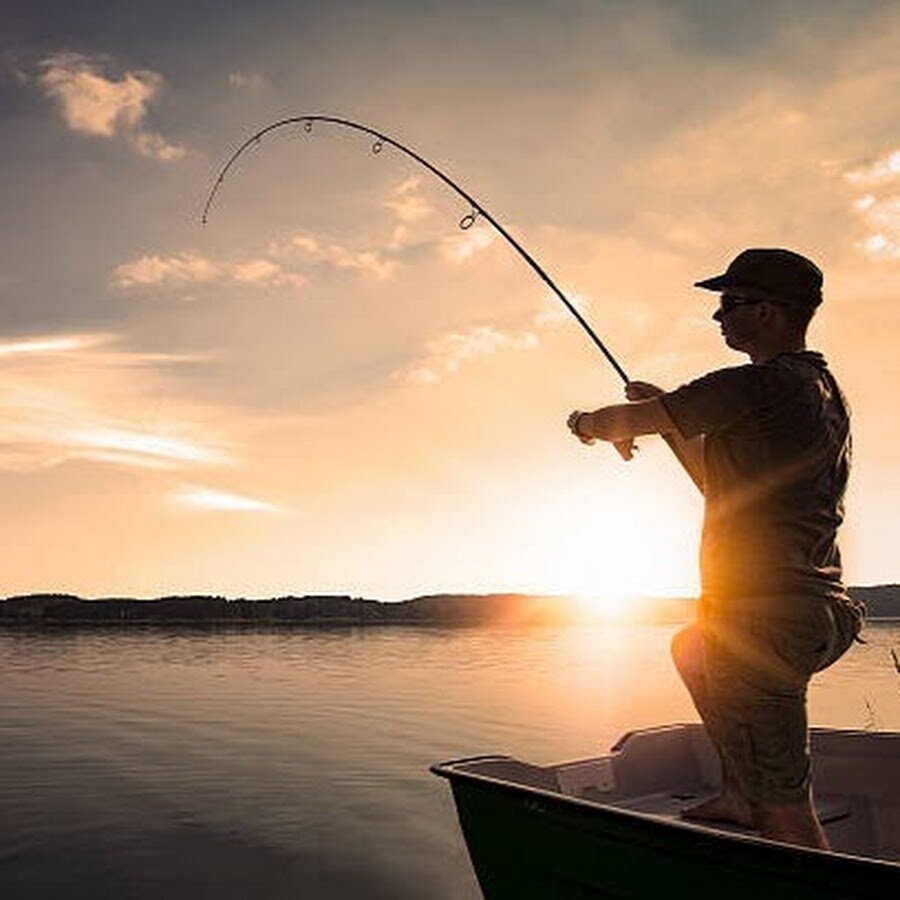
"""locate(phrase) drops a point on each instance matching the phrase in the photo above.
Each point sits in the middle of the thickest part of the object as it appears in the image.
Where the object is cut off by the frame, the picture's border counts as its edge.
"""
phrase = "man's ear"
(767, 311)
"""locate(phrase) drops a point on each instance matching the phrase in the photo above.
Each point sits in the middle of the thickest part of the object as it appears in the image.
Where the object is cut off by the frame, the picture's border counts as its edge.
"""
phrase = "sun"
(640, 540)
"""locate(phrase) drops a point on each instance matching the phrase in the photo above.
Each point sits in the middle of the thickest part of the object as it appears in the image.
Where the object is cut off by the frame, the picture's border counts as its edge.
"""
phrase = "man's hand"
(579, 425)
(642, 390)
(635, 391)
(572, 422)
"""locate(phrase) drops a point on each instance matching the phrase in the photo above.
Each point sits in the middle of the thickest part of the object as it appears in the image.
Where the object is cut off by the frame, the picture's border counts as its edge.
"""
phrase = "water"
(224, 764)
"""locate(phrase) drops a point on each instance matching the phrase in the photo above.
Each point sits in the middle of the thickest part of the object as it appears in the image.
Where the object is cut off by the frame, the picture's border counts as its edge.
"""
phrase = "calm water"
(171, 763)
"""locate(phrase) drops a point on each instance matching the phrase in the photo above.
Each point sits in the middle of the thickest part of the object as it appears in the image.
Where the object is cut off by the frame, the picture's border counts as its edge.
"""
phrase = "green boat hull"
(527, 842)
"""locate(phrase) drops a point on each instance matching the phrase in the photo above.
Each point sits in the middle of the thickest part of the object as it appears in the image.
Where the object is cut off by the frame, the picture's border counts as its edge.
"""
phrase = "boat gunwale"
(815, 731)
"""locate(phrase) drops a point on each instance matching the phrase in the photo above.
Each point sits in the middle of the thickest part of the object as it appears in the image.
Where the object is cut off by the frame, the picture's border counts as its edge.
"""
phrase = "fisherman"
(769, 443)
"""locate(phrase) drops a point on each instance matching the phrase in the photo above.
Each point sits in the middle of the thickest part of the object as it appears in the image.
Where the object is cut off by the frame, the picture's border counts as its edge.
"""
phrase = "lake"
(180, 763)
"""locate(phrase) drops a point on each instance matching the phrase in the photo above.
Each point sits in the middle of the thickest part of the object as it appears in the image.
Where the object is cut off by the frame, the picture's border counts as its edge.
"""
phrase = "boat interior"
(662, 771)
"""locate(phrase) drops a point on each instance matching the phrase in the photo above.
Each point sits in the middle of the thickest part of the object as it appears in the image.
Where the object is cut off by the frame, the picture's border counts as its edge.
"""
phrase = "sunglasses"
(730, 302)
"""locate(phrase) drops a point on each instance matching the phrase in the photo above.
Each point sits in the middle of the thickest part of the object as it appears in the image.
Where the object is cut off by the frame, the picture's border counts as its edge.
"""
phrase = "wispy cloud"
(95, 103)
(446, 354)
(38, 346)
(144, 447)
(192, 268)
(209, 499)
(103, 347)
(67, 397)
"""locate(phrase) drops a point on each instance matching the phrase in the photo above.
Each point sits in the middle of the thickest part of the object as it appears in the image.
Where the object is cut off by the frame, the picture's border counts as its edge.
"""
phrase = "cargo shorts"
(759, 655)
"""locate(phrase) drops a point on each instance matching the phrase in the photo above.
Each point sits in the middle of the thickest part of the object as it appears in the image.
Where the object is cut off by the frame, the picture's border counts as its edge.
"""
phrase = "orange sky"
(331, 387)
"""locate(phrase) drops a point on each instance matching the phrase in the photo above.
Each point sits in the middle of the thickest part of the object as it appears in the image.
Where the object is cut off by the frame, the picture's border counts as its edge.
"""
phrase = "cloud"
(369, 262)
(78, 396)
(881, 171)
(47, 345)
(408, 205)
(449, 352)
(144, 447)
(265, 272)
(247, 81)
(181, 268)
(882, 246)
(277, 268)
(446, 354)
(192, 268)
(554, 313)
(460, 248)
(209, 499)
(408, 185)
(879, 207)
(155, 146)
(72, 346)
(92, 103)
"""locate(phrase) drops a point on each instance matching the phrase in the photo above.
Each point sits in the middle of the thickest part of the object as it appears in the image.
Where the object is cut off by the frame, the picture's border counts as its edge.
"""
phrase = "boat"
(610, 826)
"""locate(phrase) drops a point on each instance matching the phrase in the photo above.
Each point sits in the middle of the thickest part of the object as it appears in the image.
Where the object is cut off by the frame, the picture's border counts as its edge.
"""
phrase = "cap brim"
(716, 283)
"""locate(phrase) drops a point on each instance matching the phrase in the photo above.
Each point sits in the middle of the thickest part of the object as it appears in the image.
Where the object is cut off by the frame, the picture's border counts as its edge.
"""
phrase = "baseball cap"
(785, 275)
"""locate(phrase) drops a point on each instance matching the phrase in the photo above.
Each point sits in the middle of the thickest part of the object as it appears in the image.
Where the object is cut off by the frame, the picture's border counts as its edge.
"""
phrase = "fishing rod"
(467, 221)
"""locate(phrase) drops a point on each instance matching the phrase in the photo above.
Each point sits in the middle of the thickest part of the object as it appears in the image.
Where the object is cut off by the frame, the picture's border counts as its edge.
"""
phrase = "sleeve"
(718, 400)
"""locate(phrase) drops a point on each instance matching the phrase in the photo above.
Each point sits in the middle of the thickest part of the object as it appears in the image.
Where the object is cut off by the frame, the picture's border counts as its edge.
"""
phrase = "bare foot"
(724, 808)
(792, 823)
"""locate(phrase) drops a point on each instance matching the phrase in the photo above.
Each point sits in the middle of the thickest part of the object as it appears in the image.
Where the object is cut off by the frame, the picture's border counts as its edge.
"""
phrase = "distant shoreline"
(40, 610)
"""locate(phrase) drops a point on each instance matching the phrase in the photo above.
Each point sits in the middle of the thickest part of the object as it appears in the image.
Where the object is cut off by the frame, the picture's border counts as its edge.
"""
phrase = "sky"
(331, 388)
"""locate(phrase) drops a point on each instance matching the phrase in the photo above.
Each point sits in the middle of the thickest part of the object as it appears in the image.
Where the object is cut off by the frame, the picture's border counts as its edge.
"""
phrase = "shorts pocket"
(804, 644)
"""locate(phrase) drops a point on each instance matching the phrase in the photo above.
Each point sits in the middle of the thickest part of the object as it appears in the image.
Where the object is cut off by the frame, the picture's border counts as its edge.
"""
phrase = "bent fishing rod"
(477, 211)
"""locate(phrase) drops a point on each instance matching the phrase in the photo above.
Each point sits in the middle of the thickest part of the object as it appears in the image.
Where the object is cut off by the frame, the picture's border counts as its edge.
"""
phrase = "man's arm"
(620, 423)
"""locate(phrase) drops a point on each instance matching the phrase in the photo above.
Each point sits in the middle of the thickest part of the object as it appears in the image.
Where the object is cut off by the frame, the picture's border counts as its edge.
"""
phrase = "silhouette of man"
(769, 443)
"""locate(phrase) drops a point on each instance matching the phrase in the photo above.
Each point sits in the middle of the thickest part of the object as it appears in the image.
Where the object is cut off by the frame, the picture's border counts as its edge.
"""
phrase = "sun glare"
(611, 607)
(618, 543)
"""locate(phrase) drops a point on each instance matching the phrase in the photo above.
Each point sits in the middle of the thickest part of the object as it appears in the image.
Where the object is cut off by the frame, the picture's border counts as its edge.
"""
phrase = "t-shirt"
(776, 456)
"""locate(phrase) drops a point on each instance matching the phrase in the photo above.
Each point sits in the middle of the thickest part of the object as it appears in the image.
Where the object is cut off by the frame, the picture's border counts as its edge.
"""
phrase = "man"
(769, 443)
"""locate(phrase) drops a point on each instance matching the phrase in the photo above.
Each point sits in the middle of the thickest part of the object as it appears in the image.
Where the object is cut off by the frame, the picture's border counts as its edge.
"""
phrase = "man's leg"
(730, 805)
(781, 811)
(758, 664)
(796, 822)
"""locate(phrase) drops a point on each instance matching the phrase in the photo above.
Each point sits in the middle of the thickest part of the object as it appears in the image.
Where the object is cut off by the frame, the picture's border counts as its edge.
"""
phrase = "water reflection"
(156, 761)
